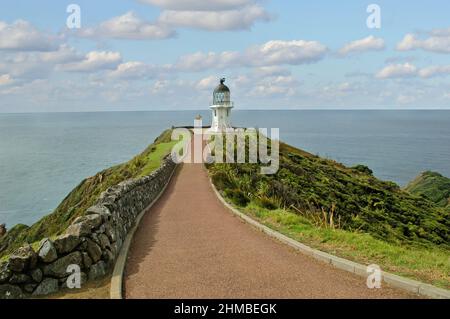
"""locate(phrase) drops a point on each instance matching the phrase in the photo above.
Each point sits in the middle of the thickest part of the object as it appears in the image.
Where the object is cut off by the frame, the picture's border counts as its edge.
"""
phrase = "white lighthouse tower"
(221, 108)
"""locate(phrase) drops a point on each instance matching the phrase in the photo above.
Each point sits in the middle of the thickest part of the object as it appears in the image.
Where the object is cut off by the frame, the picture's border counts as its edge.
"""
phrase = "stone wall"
(92, 241)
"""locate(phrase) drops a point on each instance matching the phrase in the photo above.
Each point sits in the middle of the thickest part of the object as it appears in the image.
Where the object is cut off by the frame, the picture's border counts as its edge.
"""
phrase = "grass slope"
(433, 186)
(85, 194)
(345, 211)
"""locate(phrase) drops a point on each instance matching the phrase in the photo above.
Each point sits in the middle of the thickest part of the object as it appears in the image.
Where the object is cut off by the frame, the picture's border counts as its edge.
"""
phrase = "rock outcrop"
(2, 230)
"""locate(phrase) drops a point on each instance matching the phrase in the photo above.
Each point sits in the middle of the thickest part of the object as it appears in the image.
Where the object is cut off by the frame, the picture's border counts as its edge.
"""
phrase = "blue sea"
(44, 156)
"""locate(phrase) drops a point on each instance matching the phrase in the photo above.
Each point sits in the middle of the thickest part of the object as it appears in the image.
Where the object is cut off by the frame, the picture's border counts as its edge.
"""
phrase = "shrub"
(237, 197)
(267, 203)
(363, 169)
(222, 180)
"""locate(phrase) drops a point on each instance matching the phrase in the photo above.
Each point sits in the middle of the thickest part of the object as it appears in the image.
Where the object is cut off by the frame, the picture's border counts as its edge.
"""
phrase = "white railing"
(226, 104)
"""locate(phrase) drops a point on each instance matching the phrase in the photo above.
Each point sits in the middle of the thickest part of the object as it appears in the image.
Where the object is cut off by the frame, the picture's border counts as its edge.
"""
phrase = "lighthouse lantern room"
(221, 108)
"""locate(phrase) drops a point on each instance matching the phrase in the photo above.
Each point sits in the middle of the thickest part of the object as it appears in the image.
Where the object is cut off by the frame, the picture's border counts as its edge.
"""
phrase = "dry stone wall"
(92, 242)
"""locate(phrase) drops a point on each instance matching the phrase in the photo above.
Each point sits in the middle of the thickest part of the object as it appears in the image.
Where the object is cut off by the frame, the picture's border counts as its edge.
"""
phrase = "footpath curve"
(189, 245)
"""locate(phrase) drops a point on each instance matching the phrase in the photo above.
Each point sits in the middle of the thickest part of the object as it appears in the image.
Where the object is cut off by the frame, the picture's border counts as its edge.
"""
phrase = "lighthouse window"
(215, 113)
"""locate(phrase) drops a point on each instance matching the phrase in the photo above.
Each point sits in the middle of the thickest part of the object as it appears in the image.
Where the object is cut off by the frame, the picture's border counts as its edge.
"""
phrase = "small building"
(221, 108)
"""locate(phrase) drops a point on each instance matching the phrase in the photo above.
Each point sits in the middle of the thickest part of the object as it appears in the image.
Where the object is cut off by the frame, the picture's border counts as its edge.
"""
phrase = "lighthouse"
(221, 108)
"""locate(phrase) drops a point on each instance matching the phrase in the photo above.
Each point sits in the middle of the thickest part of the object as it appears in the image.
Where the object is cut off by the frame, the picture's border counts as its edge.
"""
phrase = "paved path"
(189, 246)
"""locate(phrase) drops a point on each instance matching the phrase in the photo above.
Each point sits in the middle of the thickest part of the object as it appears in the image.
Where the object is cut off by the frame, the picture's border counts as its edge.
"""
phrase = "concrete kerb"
(116, 288)
(399, 282)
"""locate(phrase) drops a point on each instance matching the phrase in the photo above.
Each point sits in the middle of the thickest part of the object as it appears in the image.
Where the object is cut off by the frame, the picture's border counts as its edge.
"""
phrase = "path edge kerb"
(396, 281)
(116, 289)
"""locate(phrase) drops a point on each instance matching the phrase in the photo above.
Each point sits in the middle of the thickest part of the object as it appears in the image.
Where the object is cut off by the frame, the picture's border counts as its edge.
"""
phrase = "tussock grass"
(430, 265)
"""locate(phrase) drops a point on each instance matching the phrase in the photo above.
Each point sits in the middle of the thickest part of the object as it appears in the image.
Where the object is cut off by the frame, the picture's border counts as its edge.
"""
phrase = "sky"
(128, 55)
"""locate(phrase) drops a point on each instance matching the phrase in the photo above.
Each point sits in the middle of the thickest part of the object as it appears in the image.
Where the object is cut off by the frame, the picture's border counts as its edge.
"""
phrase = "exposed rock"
(84, 225)
(47, 251)
(2, 230)
(94, 237)
(23, 259)
(109, 231)
(94, 220)
(19, 279)
(59, 267)
(10, 292)
(100, 210)
(83, 280)
(108, 257)
(46, 287)
(104, 241)
(97, 270)
(94, 251)
(36, 275)
(5, 273)
(101, 229)
(87, 261)
(30, 287)
(66, 243)
(79, 230)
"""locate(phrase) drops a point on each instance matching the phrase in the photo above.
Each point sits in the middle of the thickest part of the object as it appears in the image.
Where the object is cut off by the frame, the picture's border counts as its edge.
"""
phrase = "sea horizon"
(44, 155)
(240, 109)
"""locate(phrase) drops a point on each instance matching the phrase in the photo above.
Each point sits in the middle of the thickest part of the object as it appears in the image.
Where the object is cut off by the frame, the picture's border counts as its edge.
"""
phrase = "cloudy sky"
(169, 54)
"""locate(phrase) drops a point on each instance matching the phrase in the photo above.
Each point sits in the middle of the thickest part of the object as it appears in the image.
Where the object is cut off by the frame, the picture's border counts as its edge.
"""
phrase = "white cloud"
(274, 86)
(134, 70)
(36, 65)
(397, 71)
(271, 53)
(438, 41)
(64, 54)
(22, 65)
(22, 36)
(369, 43)
(5, 79)
(236, 19)
(128, 26)
(440, 32)
(94, 61)
(198, 5)
(265, 71)
(433, 71)
(253, 85)
(409, 70)
(206, 83)
(200, 61)
(286, 52)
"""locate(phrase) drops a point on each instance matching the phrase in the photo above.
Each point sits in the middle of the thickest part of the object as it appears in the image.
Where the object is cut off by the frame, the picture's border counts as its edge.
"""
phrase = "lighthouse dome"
(221, 95)
(221, 88)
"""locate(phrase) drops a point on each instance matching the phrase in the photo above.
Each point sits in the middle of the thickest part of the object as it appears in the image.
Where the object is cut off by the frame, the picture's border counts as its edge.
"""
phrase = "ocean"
(44, 156)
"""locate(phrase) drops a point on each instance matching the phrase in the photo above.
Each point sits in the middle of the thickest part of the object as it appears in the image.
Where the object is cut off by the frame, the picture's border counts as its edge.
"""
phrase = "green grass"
(430, 265)
(345, 211)
(153, 159)
(432, 186)
(85, 195)
(329, 192)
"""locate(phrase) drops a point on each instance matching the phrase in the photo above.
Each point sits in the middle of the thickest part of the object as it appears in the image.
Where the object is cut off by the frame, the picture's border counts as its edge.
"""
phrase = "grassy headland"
(345, 211)
(85, 194)
(432, 186)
